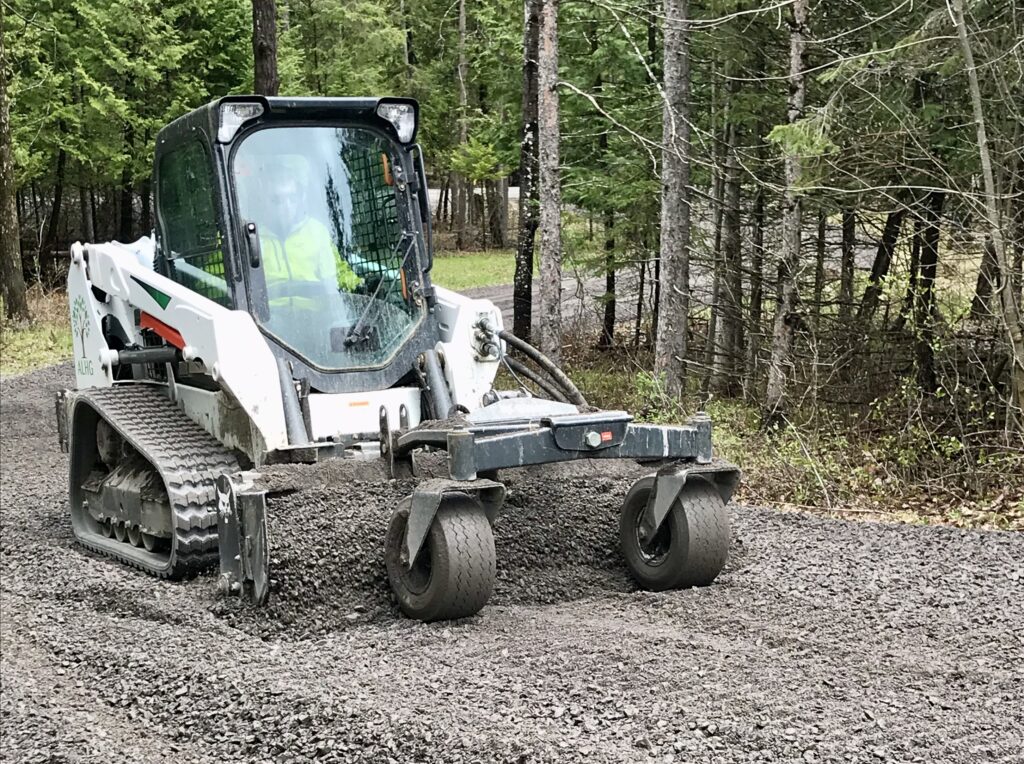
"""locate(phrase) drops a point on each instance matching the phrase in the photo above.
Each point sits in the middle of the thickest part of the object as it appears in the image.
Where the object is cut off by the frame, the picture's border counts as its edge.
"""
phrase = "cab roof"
(206, 118)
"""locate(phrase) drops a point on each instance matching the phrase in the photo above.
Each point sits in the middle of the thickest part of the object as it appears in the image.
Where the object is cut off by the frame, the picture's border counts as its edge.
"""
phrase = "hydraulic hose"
(440, 396)
(571, 391)
(523, 370)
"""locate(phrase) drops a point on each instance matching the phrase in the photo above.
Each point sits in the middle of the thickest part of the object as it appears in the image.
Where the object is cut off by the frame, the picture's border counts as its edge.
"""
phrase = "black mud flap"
(242, 532)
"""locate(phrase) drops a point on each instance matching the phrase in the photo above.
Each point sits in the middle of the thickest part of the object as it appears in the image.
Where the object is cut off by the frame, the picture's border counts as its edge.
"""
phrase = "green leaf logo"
(80, 324)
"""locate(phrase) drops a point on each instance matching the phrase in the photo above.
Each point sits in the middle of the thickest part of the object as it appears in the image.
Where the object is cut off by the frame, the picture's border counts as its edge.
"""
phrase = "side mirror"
(423, 197)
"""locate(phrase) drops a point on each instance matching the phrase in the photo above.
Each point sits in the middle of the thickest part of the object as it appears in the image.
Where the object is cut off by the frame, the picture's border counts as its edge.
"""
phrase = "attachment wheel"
(691, 545)
(453, 574)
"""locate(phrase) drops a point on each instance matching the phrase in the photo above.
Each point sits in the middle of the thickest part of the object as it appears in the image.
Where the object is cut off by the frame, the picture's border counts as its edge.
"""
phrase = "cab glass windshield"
(336, 263)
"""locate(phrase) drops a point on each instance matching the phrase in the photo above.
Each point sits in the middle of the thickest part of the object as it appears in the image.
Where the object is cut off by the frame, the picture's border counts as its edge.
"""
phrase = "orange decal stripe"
(169, 333)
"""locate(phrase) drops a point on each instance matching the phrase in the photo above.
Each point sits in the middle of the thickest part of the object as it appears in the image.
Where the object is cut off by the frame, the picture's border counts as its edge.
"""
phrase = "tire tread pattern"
(699, 525)
(471, 558)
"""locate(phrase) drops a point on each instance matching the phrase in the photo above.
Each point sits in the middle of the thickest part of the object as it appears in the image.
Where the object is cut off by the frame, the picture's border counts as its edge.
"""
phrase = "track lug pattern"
(188, 459)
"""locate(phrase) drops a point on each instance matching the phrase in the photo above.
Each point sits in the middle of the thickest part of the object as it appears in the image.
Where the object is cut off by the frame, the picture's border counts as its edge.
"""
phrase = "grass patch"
(44, 340)
(474, 269)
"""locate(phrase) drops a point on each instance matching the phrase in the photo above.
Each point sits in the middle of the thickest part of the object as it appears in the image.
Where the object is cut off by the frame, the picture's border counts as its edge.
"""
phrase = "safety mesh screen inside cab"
(375, 227)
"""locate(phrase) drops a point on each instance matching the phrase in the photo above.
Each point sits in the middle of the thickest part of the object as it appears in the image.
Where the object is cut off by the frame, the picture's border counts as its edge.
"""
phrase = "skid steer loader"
(285, 314)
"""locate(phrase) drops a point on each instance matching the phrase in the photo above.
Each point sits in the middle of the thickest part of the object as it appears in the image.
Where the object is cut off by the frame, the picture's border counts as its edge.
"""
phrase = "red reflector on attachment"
(606, 436)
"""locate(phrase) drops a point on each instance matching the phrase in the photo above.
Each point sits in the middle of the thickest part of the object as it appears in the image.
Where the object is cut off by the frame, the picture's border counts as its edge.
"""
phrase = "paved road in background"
(579, 298)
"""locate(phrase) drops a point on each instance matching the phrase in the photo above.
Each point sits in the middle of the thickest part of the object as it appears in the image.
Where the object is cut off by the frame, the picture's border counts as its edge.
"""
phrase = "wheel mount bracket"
(426, 500)
(669, 483)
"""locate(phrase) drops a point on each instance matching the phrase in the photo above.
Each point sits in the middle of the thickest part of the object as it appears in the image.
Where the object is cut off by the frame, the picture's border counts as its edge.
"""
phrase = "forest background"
(806, 218)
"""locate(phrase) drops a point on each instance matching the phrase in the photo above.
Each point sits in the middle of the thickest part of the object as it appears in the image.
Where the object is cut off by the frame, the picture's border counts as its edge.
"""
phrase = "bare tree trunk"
(127, 192)
(88, 234)
(92, 214)
(522, 289)
(711, 338)
(1007, 298)
(641, 278)
(407, 56)
(464, 191)
(988, 276)
(880, 267)
(12, 280)
(925, 302)
(910, 298)
(786, 317)
(47, 253)
(495, 198)
(756, 294)
(499, 216)
(652, 243)
(145, 193)
(729, 350)
(819, 266)
(460, 208)
(607, 338)
(1018, 261)
(264, 47)
(670, 353)
(846, 267)
(442, 201)
(550, 334)
(1015, 216)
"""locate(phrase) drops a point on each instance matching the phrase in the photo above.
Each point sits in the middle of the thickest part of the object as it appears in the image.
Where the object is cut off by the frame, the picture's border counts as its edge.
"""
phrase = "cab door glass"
(187, 205)
(338, 261)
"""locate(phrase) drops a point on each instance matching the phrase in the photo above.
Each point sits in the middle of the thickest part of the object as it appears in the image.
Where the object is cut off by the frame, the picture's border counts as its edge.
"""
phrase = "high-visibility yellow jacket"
(306, 254)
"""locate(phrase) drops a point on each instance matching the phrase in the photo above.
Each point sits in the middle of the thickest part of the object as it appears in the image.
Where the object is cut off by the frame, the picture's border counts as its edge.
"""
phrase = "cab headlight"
(233, 115)
(402, 116)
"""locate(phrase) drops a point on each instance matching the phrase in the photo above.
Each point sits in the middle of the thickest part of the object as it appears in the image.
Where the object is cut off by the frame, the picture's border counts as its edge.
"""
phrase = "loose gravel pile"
(821, 641)
(556, 541)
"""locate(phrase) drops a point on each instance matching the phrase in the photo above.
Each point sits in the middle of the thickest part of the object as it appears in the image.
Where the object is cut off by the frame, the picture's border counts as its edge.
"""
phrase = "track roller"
(453, 574)
(690, 546)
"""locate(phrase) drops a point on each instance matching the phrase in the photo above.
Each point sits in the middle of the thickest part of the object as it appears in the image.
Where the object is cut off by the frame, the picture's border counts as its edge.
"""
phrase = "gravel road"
(821, 641)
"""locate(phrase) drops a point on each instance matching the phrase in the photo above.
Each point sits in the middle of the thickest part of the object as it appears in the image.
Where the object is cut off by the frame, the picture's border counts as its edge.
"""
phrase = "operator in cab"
(300, 261)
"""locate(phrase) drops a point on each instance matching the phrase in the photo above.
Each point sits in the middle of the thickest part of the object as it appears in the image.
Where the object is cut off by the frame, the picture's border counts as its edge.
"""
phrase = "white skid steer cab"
(284, 314)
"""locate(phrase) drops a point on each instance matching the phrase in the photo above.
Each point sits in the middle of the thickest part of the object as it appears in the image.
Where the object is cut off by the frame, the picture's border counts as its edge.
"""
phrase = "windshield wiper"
(355, 335)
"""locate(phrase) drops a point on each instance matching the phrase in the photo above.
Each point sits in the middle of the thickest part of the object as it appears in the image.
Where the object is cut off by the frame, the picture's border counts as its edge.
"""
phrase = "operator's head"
(287, 201)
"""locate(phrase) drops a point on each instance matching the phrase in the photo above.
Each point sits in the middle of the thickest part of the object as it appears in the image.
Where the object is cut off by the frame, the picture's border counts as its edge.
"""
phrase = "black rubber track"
(188, 459)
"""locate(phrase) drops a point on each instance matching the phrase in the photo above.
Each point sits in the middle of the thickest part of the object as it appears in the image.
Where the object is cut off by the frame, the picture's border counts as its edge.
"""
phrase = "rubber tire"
(698, 527)
(462, 561)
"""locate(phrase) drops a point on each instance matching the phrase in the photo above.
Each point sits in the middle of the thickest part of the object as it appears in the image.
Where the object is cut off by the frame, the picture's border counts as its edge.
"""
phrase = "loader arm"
(109, 280)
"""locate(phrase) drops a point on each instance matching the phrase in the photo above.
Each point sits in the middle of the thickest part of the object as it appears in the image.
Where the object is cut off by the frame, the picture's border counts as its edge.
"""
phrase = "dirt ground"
(821, 641)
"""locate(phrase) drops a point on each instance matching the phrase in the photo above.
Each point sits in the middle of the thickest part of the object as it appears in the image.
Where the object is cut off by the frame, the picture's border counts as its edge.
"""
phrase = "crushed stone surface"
(821, 641)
